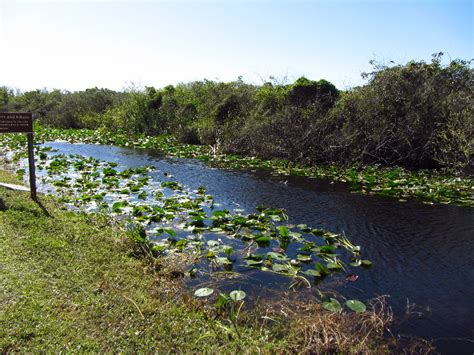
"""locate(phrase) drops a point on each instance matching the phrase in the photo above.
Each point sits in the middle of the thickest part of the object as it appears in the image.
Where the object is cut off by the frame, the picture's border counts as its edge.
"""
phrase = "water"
(423, 255)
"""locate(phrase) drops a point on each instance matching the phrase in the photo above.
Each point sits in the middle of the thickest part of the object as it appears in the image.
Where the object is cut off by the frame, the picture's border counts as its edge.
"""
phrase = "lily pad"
(304, 258)
(356, 306)
(237, 295)
(277, 256)
(312, 272)
(332, 305)
(203, 292)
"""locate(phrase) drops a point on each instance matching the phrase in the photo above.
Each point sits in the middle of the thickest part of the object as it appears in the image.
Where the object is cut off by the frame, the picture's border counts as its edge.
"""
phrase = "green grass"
(8, 178)
(69, 283)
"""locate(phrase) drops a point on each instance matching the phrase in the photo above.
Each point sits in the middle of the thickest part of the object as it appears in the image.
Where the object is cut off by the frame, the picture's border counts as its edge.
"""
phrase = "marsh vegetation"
(406, 135)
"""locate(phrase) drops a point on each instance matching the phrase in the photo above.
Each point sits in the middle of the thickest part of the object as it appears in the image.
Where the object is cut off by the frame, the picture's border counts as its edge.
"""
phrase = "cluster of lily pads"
(178, 219)
(427, 186)
(174, 219)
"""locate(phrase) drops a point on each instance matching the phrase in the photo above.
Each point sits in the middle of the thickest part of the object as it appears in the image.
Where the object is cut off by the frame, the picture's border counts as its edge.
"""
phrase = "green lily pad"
(237, 295)
(254, 263)
(263, 241)
(332, 305)
(277, 256)
(356, 306)
(312, 272)
(203, 292)
(281, 268)
(304, 258)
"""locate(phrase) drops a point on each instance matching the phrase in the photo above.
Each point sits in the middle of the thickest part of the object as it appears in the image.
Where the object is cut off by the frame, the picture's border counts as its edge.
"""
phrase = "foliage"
(429, 186)
(304, 92)
(417, 115)
(164, 218)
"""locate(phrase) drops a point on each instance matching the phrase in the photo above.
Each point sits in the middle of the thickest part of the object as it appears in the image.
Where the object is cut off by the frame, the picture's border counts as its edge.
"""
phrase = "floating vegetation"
(427, 186)
(167, 218)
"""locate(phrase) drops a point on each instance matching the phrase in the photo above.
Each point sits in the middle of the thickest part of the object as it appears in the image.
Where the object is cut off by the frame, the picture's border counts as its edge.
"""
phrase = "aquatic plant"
(165, 217)
(426, 185)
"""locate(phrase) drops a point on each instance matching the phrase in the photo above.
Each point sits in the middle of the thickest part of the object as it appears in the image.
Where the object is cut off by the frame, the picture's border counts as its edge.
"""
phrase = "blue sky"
(78, 44)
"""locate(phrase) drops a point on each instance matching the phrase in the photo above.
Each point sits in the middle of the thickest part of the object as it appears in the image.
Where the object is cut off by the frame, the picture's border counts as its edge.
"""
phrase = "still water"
(422, 255)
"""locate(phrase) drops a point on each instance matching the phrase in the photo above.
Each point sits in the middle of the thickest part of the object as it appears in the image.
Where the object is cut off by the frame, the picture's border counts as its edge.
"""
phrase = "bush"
(418, 115)
(304, 92)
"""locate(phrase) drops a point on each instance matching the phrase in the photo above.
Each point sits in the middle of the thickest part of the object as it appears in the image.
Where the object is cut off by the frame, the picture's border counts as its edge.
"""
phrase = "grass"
(8, 178)
(70, 282)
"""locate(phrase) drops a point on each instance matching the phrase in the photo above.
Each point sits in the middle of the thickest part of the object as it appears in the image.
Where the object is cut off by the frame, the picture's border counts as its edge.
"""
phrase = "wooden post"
(31, 167)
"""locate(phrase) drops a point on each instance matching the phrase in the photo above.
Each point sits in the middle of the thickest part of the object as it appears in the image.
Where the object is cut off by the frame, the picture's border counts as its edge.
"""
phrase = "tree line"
(416, 115)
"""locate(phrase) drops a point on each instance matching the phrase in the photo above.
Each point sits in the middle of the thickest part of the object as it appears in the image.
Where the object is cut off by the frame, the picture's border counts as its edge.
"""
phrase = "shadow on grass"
(41, 206)
(3, 207)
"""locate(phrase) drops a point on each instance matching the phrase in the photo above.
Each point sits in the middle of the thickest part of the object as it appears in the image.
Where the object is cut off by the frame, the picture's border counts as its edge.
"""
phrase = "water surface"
(422, 255)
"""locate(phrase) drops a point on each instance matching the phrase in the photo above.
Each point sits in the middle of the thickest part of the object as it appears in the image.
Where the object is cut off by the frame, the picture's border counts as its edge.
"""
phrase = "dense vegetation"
(429, 186)
(417, 115)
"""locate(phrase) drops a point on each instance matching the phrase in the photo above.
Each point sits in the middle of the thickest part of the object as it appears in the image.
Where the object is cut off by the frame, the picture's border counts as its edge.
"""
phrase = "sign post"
(22, 122)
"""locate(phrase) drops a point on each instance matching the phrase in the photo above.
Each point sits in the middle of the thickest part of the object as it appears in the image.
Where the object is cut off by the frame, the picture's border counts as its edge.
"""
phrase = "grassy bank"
(70, 282)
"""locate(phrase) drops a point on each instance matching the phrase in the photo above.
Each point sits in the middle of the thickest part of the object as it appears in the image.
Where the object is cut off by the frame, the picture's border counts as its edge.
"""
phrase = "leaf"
(170, 232)
(222, 300)
(257, 257)
(281, 268)
(219, 213)
(295, 235)
(284, 232)
(254, 263)
(203, 292)
(356, 263)
(367, 264)
(304, 258)
(277, 256)
(332, 305)
(223, 261)
(213, 243)
(304, 228)
(327, 248)
(312, 272)
(263, 241)
(275, 218)
(117, 206)
(318, 232)
(181, 243)
(356, 306)
(322, 270)
(237, 295)
(333, 266)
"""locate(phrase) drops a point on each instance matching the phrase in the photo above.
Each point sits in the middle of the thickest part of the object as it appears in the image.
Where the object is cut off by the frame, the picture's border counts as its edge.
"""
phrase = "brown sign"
(16, 122)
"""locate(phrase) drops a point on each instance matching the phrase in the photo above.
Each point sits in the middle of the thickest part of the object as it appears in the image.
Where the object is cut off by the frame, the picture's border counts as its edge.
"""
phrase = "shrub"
(305, 92)
(418, 115)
